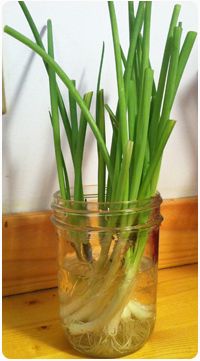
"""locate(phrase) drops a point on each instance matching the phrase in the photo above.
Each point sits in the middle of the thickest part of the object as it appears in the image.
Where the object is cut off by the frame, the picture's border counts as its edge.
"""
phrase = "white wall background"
(29, 176)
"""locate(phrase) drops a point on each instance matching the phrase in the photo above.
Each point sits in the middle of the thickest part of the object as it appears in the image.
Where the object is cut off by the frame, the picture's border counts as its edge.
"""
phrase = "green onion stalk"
(129, 171)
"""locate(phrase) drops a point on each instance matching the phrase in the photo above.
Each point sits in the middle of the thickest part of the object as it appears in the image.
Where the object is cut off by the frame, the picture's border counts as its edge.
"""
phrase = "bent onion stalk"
(141, 128)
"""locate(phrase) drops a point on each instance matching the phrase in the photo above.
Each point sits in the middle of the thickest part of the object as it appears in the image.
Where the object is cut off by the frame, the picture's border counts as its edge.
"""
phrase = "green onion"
(61, 104)
(74, 120)
(123, 174)
(146, 39)
(171, 79)
(78, 195)
(115, 128)
(162, 78)
(123, 57)
(141, 133)
(63, 76)
(55, 116)
(131, 52)
(184, 55)
(100, 120)
(165, 135)
(141, 127)
(64, 168)
(132, 108)
(120, 80)
(100, 68)
(113, 118)
(101, 163)
(131, 18)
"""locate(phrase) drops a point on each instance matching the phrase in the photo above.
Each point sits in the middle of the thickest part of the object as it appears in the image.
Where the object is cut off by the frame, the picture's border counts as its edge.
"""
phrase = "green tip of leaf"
(172, 122)
(177, 7)
(5, 29)
(192, 34)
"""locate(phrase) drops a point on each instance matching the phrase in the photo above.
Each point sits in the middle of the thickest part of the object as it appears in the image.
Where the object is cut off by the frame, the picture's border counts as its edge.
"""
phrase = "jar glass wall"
(107, 277)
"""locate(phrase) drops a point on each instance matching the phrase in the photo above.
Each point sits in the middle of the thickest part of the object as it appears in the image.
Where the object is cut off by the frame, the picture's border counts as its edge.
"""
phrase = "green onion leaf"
(171, 79)
(101, 163)
(141, 134)
(55, 115)
(162, 79)
(69, 84)
(61, 104)
(74, 120)
(78, 187)
(154, 163)
(120, 80)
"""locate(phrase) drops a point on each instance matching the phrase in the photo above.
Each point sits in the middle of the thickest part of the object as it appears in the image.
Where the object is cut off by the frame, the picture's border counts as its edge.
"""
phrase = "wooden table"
(31, 327)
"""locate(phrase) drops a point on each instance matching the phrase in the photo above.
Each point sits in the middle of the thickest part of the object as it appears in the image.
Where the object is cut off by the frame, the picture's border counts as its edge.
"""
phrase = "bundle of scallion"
(141, 127)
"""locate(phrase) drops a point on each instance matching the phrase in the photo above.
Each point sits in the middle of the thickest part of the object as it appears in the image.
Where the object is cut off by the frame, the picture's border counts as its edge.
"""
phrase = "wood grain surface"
(30, 245)
(31, 328)
(29, 252)
(179, 232)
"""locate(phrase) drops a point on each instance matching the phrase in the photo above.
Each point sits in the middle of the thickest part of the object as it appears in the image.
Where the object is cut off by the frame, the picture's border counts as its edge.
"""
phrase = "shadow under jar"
(107, 276)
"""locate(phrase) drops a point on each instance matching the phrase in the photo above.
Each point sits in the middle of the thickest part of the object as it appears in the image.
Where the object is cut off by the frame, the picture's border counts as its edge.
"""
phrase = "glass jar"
(107, 277)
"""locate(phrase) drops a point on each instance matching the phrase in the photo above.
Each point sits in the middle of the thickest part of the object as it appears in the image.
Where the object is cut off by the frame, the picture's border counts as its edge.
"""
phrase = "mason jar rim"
(91, 195)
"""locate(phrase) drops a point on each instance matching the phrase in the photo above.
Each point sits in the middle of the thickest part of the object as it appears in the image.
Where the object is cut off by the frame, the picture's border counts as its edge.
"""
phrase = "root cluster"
(132, 333)
(99, 314)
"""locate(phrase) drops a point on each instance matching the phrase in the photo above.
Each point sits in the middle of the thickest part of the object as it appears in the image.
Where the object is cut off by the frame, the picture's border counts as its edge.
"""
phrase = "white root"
(131, 333)
(139, 311)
